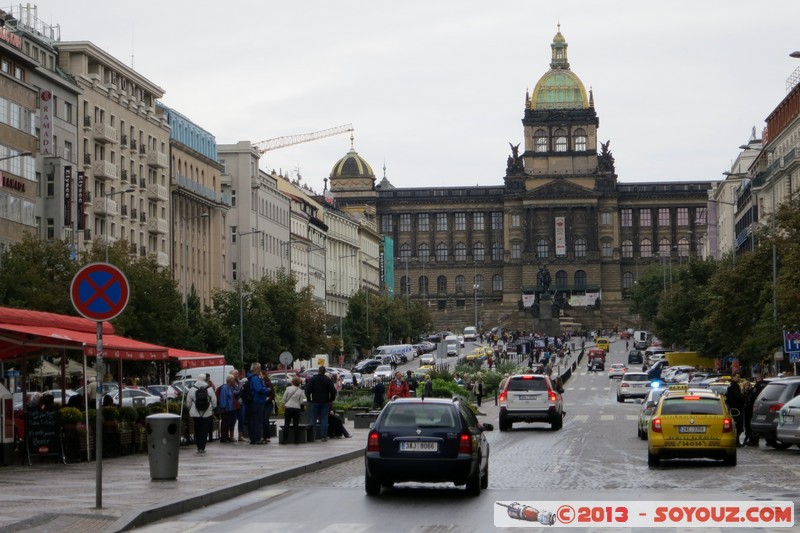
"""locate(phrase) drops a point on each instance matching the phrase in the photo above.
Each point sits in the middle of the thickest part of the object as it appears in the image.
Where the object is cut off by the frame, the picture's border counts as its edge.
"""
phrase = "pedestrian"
(212, 389)
(293, 400)
(477, 390)
(241, 415)
(412, 383)
(735, 400)
(269, 406)
(427, 390)
(336, 427)
(258, 403)
(355, 381)
(202, 403)
(320, 392)
(398, 387)
(228, 407)
(378, 395)
(749, 393)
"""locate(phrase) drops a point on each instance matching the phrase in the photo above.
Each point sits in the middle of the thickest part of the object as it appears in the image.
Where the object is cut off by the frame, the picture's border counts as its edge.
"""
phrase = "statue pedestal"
(546, 323)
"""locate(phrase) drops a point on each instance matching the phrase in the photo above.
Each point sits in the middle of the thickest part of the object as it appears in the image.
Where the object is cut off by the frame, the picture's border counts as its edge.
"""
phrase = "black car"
(768, 405)
(635, 357)
(367, 366)
(427, 440)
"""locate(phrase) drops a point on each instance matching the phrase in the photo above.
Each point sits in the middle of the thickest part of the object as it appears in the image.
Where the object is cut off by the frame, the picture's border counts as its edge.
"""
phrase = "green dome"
(352, 166)
(559, 89)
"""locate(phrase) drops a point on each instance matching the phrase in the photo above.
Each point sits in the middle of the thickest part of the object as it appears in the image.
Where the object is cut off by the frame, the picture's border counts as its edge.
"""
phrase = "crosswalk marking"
(631, 417)
(580, 418)
(606, 417)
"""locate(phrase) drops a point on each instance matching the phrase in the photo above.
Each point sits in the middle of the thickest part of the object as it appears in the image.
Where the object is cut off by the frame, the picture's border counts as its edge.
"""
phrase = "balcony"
(134, 249)
(123, 211)
(105, 134)
(157, 192)
(104, 169)
(157, 225)
(142, 251)
(133, 145)
(105, 206)
(142, 217)
(156, 159)
(142, 183)
(123, 140)
(87, 160)
(87, 121)
(124, 176)
(162, 259)
(134, 214)
(87, 235)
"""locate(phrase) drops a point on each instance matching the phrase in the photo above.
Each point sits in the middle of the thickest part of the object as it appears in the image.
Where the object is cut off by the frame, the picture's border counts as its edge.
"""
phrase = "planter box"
(363, 420)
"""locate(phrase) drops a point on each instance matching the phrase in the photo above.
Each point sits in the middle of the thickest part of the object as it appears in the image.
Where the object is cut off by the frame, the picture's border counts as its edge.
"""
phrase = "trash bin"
(163, 445)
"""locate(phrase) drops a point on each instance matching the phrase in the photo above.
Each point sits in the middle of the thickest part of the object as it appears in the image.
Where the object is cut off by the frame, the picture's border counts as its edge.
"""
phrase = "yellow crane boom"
(289, 140)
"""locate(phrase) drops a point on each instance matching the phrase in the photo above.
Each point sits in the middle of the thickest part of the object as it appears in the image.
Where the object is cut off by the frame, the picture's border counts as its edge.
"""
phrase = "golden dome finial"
(352, 146)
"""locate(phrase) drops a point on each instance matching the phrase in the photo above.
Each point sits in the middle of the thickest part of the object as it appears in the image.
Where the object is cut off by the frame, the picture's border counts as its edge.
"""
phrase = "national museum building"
(559, 207)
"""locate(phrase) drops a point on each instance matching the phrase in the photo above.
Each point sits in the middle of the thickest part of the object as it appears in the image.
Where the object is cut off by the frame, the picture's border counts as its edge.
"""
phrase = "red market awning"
(187, 359)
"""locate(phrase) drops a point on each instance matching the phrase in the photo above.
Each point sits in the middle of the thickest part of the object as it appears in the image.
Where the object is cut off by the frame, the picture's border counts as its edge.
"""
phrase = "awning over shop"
(187, 359)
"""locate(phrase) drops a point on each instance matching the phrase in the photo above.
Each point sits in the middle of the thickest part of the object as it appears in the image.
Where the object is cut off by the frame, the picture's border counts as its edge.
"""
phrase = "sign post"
(791, 346)
(99, 292)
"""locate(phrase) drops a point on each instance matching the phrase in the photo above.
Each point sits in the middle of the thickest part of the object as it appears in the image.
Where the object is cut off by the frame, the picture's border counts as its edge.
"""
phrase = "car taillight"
(775, 407)
(552, 396)
(655, 425)
(503, 396)
(624, 385)
(372, 442)
(465, 443)
(727, 425)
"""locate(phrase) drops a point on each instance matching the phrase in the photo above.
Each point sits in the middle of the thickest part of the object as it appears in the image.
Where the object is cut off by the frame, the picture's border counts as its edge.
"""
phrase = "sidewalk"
(51, 497)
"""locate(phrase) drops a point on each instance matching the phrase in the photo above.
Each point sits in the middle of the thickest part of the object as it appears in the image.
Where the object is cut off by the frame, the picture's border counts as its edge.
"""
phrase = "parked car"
(633, 385)
(383, 372)
(366, 366)
(427, 359)
(60, 399)
(134, 398)
(430, 441)
(166, 392)
(283, 378)
(530, 398)
(788, 430)
(767, 407)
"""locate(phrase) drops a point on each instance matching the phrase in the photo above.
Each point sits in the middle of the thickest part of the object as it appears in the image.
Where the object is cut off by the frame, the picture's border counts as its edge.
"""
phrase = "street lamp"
(21, 154)
(241, 304)
(366, 288)
(341, 309)
(106, 196)
(185, 246)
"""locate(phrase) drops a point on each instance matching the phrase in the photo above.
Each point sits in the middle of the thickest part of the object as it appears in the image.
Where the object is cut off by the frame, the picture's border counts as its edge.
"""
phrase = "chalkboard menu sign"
(43, 433)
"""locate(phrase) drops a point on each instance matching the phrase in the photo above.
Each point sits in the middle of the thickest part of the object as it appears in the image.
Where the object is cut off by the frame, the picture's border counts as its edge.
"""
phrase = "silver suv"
(530, 398)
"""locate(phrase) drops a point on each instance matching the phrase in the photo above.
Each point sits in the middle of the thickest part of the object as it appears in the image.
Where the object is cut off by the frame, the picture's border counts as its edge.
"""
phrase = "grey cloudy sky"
(435, 89)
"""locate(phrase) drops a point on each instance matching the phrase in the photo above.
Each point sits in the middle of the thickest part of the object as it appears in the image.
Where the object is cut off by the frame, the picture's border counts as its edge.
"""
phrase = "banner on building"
(67, 196)
(584, 300)
(528, 300)
(46, 126)
(561, 237)
(80, 194)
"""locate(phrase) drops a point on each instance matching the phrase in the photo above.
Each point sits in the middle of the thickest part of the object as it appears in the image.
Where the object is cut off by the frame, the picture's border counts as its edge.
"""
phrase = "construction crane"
(289, 140)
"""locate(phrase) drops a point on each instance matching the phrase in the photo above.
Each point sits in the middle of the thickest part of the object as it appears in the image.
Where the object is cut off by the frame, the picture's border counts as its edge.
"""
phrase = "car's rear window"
(703, 406)
(536, 384)
(419, 415)
(772, 392)
(636, 377)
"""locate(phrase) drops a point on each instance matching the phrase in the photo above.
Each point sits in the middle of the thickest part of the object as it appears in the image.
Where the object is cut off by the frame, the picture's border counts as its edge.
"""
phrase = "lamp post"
(241, 298)
(21, 154)
(106, 196)
(185, 247)
(366, 290)
(341, 292)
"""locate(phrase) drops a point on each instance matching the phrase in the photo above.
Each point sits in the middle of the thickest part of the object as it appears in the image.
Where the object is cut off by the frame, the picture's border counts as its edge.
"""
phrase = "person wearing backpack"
(202, 401)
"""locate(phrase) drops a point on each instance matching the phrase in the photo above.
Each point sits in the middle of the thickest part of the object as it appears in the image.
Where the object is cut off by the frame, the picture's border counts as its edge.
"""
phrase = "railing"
(133, 144)
(142, 217)
(87, 235)
(87, 159)
(123, 140)
(87, 121)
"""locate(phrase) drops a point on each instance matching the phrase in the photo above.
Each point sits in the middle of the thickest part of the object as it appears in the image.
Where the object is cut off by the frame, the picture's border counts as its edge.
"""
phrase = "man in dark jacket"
(256, 409)
(320, 392)
(735, 400)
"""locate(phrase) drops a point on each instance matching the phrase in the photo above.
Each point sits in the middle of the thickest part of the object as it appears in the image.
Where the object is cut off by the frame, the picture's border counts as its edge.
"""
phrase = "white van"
(216, 373)
(453, 345)
(403, 352)
(470, 333)
(639, 340)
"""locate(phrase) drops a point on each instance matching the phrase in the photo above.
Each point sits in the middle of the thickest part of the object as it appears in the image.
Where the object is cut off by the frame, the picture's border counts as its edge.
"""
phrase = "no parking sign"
(99, 291)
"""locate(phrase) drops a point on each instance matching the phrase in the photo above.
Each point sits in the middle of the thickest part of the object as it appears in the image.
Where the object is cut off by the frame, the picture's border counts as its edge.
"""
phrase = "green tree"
(647, 291)
(682, 307)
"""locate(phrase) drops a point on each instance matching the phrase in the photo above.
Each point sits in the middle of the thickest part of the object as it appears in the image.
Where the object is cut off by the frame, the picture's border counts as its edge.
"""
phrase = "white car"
(135, 398)
(617, 370)
(383, 372)
(427, 359)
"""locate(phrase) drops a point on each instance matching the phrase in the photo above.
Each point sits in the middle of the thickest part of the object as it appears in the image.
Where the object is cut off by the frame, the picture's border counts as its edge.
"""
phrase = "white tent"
(74, 368)
(45, 370)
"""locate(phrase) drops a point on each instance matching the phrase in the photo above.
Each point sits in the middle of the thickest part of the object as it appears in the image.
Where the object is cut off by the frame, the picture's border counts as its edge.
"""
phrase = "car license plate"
(691, 429)
(761, 417)
(528, 396)
(417, 446)
(789, 418)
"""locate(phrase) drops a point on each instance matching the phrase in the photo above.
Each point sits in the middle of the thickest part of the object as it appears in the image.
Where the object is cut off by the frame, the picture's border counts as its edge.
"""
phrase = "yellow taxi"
(689, 423)
(478, 354)
(602, 343)
(422, 371)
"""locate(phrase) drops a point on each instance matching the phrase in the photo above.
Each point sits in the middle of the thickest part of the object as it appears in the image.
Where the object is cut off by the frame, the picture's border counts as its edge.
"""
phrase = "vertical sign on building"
(80, 194)
(561, 237)
(46, 129)
(67, 196)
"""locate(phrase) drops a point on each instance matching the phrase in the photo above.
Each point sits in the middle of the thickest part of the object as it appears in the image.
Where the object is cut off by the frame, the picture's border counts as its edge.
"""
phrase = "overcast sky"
(435, 89)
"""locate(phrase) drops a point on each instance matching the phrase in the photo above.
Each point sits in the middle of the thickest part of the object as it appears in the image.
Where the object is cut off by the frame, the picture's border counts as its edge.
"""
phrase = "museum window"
(497, 220)
(460, 283)
(606, 249)
(516, 221)
(627, 248)
(540, 141)
(580, 140)
(497, 252)
(460, 221)
(460, 252)
(580, 247)
(664, 247)
(497, 283)
(700, 215)
(663, 217)
(405, 251)
(477, 251)
(477, 221)
(441, 284)
(645, 218)
(441, 252)
(542, 249)
(386, 224)
(580, 279)
(683, 216)
(561, 279)
(405, 222)
(441, 221)
(626, 217)
(423, 252)
(516, 250)
(627, 280)
(423, 284)
(561, 140)
(683, 247)
(423, 222)
(646, 248)
(478, 281)
(605, 218)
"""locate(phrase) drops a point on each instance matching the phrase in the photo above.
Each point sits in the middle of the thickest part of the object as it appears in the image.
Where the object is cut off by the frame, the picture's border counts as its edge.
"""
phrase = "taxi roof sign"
(678, 387)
